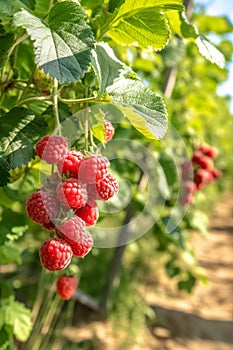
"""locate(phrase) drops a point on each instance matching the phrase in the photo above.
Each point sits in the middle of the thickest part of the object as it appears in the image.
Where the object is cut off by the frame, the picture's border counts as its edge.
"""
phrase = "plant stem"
(55, 107)
(80, 100)
(27, 86)
(17, 42)
(32, 99)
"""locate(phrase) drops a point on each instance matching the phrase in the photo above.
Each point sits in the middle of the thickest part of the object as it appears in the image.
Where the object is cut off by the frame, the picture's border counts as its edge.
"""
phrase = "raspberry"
(89, 213)
(186, 170)
(72, 193)
(42, 207)
(93, 169)
(109, 130)
(216, 173)
(73, 231)
(48, 226)
(52, 148)
(69, 165)
(187, 197)
(208, 150)
(66, 286)
(202, 177)
(55, 254)
(203, 161)
(107, 187)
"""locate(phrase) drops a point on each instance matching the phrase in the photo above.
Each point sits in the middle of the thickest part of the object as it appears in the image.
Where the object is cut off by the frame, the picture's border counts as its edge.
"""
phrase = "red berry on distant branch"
(42, 207)
(55, 254)
(109, 130)
(203, 161)
(202, 177)
(216, 173)
(66, 286)
(72, 193)
(52, 148)
(208, 150)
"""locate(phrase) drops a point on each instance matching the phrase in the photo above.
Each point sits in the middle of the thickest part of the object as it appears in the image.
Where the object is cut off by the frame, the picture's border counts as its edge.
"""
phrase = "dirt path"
(203, 320)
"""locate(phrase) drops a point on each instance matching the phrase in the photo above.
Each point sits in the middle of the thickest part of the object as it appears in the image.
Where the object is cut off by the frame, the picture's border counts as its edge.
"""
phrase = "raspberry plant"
(56, 59)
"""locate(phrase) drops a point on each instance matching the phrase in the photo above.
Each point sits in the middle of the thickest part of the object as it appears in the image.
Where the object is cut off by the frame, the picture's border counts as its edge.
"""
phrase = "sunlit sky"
(219, 8)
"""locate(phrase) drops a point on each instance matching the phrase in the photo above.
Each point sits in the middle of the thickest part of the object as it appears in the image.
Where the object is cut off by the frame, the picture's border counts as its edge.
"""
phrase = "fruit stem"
(55, 107)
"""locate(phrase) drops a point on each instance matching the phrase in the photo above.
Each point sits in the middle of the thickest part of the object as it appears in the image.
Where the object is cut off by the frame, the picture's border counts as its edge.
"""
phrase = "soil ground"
(185, 322)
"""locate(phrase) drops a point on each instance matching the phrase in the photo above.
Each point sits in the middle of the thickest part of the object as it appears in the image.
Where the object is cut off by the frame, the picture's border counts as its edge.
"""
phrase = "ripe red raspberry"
(109, 130)
(72, 193)
(42, 207)
(55, 254)
(66, 286)
(203, 161)
(89, 213)
(48, 226)
(216, 173)
(73, 231)
(52, 148)
(69, 165)
(93, 169)
(208, 150)
(186, 170)
(187, 196)
(202, 177)
(107, 187)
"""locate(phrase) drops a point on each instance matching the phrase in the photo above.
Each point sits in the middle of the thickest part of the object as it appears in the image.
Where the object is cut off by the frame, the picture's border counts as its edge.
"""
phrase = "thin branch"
(17, 42)
(55, 107)
(80, 100)
(33, 99)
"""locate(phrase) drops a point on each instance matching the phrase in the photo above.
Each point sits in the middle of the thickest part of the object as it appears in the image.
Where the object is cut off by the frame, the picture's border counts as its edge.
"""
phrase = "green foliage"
(8, 7)
(107, 66)
(63, 46)
(6, 41)
(20, 129)
(16, 317)
(144, 109)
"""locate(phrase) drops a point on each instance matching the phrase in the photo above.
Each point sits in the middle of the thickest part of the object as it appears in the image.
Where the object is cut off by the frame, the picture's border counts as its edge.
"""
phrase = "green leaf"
(174, 52)
(5, 338)
(9, 255)
(113, 4)
(145, 110)
(176, 234)
(6, 41)
(132, 6)
(145, 29)
(15, 314)
(219, 25)
(180, 25)
(199, 221)
(12, 225)
(19, 131)
(107, 66)
(4, 170)
(9, 7)
(210, 52)
(63, 46)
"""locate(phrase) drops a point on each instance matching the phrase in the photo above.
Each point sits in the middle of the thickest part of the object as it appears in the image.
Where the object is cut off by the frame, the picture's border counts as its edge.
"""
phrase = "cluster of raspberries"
(199, 172)
(66, 204)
